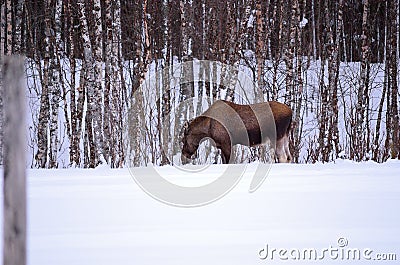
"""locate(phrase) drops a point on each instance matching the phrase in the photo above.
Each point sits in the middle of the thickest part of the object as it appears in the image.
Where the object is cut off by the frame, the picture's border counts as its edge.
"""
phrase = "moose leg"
(280, 151)
(287, 150)
(226, 154)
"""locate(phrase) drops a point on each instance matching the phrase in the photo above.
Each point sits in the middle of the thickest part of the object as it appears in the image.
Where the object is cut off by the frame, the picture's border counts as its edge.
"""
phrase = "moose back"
(228, 124)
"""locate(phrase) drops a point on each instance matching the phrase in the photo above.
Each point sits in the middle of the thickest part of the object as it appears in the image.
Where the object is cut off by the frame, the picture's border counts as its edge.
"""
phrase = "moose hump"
(228, 124)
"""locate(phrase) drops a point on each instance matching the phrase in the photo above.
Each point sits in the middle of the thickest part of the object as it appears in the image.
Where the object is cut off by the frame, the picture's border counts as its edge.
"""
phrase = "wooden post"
(1, 110)
(14, 185)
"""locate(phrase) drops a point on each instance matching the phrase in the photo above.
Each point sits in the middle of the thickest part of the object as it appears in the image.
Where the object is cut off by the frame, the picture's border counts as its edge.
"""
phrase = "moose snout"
(185, 158)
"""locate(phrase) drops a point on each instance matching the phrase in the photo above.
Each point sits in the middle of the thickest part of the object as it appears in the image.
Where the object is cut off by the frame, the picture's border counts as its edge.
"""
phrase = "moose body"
(228, 124)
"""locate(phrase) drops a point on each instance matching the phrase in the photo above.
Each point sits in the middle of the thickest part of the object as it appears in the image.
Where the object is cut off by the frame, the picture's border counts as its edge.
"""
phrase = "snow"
(303, 22)
(101, 216)
(250, 22)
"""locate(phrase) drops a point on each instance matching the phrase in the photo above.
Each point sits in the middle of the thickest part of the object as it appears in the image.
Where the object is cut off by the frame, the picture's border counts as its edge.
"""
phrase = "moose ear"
(184, 129)
(186, 125)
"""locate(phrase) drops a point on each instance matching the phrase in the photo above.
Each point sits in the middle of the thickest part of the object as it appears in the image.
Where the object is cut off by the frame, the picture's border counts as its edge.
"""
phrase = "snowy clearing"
(101, 216)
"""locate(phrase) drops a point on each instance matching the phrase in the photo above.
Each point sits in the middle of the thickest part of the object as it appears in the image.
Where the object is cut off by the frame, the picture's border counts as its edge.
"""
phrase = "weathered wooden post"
(1, 110)
(14, 185)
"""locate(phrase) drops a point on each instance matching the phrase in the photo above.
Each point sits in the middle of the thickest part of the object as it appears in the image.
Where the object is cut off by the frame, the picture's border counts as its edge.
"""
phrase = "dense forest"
(335, 63)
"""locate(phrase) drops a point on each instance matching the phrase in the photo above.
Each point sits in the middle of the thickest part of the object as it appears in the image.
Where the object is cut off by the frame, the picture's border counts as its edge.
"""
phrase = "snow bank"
(101, 216)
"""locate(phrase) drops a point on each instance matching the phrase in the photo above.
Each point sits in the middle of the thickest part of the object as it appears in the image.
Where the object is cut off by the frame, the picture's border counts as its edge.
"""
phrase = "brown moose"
(227, 124)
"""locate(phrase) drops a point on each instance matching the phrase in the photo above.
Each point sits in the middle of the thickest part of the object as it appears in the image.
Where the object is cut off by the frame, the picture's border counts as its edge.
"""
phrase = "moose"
(228, 124)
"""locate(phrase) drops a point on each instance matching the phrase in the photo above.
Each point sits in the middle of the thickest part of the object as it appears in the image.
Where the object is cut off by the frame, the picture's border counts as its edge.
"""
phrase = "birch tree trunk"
(323, 121)
(19, 5)
(2, 43)
(328, 135)
(112, 96)
(93, 62)
(142, 57)
(76, 120)
(298, 89)
(392, 80)
(54, 77)
(95, 91)
(291, 28)
(42, 154)
(376, 155)
(166, 90)
(235, 49)
(89, 75)
(275, 54)
(8, 46)
(260, 47)
(334, 102)
(14, 190)
(3, 31)
(314, 38)
(186, 84)
(186, 76)
(333, 46)
(363, 91)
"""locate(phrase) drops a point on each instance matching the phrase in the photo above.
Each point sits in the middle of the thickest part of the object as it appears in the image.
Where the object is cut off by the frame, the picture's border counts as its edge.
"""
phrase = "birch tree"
(2, 46)
(44, 113)
(164, 120)
(392, 114)
(360, 143)
(2, 28)
(186, 92)
(333, 54)
(95, 90)
(235, 47)
(112, 91)
(291, 28)
(260, 46)
(77, 94)
(55, 79)
(324, 147)
(142, 57)
(18, 49)
(186, 84)
(93, 79)
(8, 46)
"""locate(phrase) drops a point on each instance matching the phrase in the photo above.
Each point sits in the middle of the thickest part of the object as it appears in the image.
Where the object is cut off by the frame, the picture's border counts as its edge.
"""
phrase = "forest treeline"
(336, 61)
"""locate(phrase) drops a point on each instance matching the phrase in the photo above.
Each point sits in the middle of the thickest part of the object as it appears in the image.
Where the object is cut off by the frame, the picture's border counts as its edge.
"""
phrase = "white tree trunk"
(54, 81)
(112, 92)
(360, 134)
(93, 77)
(95, 99)
(2, 28)
(8, 47)
(18, 27)
(2, 42)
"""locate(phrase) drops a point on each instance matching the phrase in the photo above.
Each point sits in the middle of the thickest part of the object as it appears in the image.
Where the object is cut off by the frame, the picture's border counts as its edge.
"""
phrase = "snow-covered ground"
(101, 216)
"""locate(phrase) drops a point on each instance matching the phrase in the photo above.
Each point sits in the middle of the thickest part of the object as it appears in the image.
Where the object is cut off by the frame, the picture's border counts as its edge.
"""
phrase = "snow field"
(101, 216)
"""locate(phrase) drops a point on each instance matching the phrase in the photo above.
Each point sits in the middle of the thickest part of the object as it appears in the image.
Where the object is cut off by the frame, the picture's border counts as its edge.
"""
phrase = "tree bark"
(9, 31)
(2, 28)
(54, 77)
(17, 45)
(260, 47)
(363, 91)
(392, 76)
(93, 58)
(96, 90)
